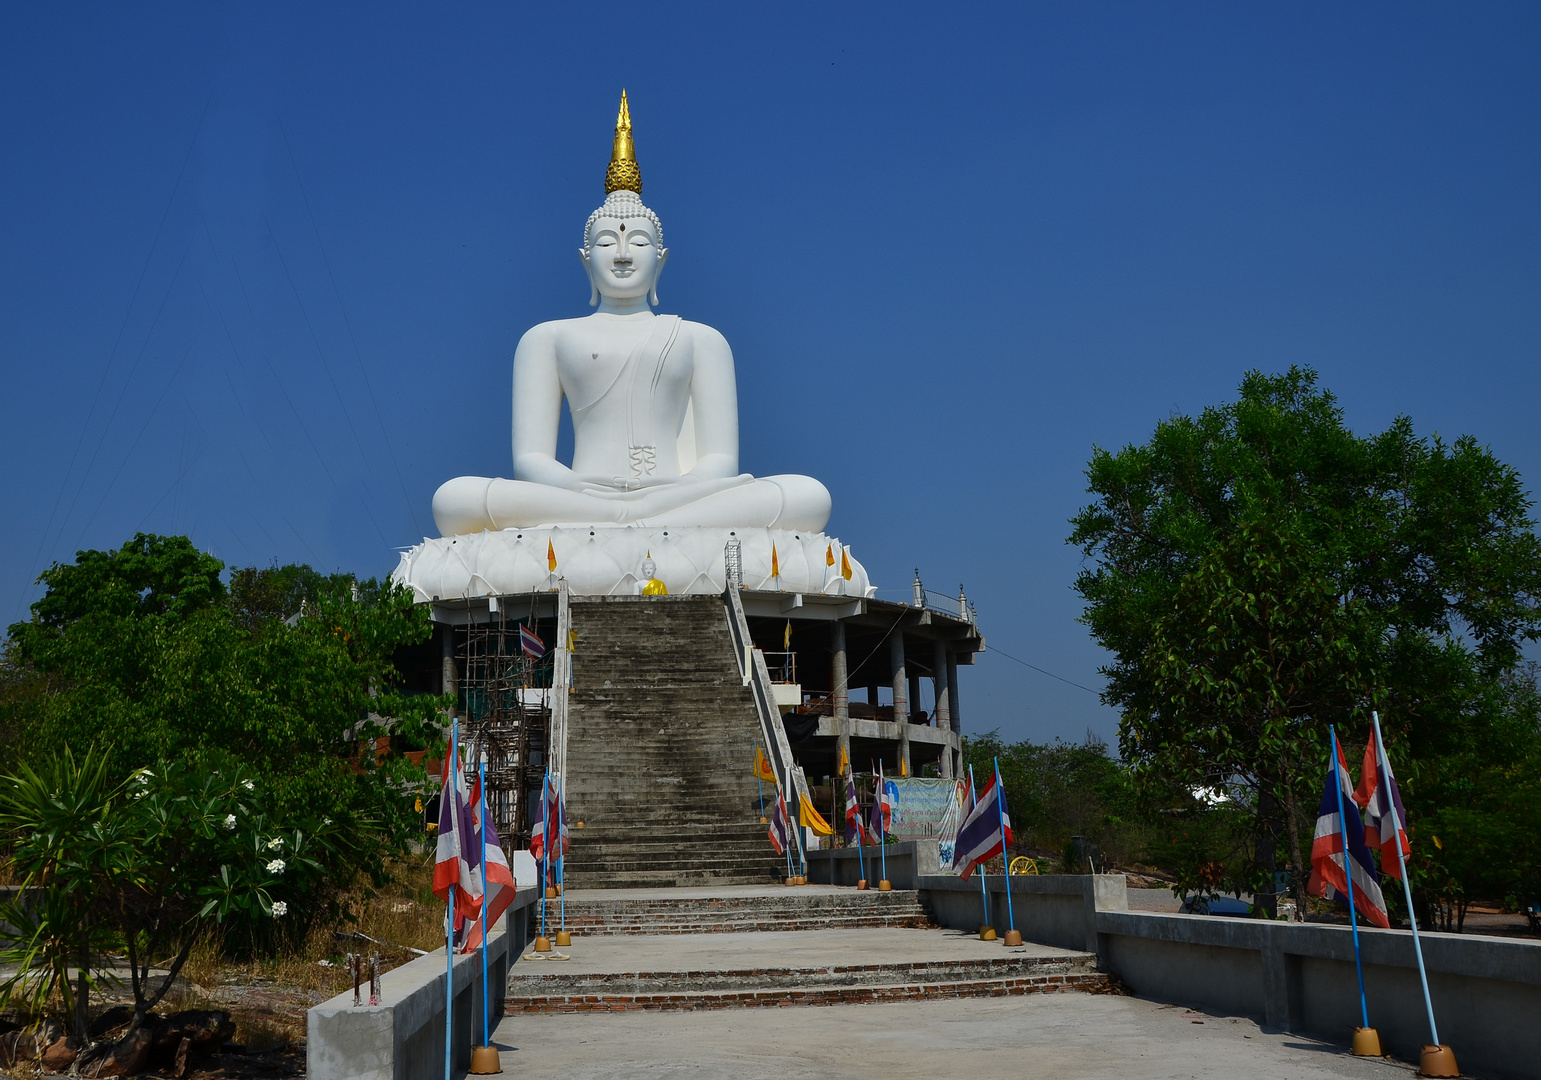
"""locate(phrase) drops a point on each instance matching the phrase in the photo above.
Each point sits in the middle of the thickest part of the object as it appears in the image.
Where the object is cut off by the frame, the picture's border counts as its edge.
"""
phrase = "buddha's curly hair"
(622, 204)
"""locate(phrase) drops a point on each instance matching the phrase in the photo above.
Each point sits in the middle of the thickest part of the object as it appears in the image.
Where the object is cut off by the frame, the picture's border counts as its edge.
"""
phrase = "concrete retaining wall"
(1291, 976)
(906, 862)
(402, 1038)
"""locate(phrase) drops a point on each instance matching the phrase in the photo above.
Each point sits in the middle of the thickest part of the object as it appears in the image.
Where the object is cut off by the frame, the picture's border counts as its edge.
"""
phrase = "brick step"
(668, 877)
(648, 927)
(826, 995)
(534, 981)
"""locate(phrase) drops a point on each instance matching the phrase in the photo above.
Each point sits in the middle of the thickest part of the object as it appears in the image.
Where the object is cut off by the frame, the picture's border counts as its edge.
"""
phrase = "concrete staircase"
(660, 745)
(805, 908)
(746, 947)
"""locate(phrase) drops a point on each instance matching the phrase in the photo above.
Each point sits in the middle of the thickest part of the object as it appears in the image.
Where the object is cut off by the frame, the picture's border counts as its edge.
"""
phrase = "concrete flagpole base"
(885, 886)
(861, 886)
(987, 933)
(1366, 1042)
(484, 1060)
(563, 939)
(1013, 937)
(542, 944)
(550, 892)
(1438, 1061)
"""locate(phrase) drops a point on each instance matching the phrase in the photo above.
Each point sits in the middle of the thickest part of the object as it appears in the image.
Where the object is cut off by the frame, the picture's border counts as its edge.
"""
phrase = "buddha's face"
(649, 569)
(624, 258)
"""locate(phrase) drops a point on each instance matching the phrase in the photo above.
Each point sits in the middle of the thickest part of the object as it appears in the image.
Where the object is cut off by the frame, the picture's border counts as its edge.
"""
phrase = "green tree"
(285, 675)
(1259, 572)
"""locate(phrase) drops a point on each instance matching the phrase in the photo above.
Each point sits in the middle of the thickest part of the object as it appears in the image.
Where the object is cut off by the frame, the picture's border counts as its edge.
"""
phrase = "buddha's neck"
(633, 306)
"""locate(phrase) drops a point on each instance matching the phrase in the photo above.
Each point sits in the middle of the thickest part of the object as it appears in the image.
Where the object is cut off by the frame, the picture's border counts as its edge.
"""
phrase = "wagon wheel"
(1023, 865)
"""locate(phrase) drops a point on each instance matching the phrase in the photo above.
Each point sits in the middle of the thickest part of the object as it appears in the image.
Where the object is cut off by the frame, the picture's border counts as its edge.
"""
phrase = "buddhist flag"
(829, 555)
(812, 819)
(845, 564)
(762, 767)
(845, 763)
(786, 637)
(775, 563)
(550, 558)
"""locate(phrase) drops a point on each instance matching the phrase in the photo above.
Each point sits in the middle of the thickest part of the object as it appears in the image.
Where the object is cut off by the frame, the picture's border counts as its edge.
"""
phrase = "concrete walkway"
(1064, 1036)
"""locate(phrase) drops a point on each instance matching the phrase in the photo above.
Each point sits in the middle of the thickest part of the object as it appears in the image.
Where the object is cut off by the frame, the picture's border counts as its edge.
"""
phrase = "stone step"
(535, 981)
(588, 929)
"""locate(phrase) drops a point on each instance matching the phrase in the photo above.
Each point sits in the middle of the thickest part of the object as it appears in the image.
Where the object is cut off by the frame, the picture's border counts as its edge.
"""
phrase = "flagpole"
(1412, 919)
(1000, 818)
(450, 791)
(486, 998)
(1348, 874)
(882, 794)
(984, 898)
(561, 853)
(545, 849)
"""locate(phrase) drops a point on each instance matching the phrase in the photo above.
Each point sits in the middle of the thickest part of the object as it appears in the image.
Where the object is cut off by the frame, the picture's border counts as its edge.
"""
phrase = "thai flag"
(883, 806)
(780, 831)
(550, 832)
(530, 641)
(457, 868)
(499, 875)
(853, 826)
(965, 808)
(1327, 862)
(1377, 793)
(986, 832)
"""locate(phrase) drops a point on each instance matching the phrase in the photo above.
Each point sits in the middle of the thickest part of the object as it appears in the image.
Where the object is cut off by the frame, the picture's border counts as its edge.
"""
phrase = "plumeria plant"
(150, 865)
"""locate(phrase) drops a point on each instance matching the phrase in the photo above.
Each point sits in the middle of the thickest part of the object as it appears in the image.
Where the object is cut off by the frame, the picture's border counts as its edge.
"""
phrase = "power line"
(1041, 671)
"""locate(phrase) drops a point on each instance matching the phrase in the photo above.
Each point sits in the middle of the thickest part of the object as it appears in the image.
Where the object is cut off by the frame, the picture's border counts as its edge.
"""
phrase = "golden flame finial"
(623, 174)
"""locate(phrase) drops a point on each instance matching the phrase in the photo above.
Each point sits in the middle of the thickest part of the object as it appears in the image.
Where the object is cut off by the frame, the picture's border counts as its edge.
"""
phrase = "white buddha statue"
(653, 400)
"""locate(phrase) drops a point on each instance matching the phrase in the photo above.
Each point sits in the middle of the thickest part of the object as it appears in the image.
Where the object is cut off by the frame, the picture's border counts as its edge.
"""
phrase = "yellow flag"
(762, 767)
(845, 564)
(786, 638)
(550, 558)
(904, 770)
(775, 563)
(845, 762)
(829, 555)
(572, 641)
(812, 819)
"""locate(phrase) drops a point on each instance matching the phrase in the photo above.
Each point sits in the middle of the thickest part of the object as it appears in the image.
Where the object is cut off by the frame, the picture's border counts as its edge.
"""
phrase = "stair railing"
(561, 682)
(773, 733)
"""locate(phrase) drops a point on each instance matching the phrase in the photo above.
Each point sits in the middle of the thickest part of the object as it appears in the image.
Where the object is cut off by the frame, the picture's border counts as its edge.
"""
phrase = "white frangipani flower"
(229, 821)
(280, 907)
(275, 843)
(276, 866)
(248, 785)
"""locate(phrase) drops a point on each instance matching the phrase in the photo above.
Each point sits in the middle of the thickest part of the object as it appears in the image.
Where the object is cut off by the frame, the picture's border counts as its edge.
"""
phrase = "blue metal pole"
(984, 897)
(1000, 812)
(882, 822)
(1407, 888)
(452, 776)
(486, 998)
(1348, 874)
(561, 853)
(545, 847)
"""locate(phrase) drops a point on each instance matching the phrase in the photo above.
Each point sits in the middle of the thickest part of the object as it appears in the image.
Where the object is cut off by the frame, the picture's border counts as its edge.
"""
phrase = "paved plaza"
(1064, 1036)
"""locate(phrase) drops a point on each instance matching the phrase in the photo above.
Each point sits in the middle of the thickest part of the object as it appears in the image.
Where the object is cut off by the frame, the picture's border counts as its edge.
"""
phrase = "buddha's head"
(623, 250)
(649, 569)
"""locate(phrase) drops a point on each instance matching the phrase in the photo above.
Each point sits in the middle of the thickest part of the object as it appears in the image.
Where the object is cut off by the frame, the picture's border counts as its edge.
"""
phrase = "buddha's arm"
(714, 392)
(537, 411)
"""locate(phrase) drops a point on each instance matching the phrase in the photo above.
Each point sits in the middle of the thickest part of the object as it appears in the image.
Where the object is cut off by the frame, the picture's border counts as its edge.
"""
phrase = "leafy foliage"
(1259, 572)
(280, 678)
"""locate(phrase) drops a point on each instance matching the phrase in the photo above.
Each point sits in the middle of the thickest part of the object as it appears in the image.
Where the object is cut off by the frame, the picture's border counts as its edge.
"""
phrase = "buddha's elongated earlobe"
(583, 257)
(652, 294)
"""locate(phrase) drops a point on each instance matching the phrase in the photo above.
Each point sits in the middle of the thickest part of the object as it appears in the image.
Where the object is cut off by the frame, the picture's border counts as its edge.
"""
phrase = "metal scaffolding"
(505, 706)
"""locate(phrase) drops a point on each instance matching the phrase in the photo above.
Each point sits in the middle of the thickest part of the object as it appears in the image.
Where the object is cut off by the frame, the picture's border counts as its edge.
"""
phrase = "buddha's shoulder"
(557, 331)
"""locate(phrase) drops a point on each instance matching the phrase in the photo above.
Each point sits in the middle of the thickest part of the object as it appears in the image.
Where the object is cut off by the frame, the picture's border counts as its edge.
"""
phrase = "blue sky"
(263, 268)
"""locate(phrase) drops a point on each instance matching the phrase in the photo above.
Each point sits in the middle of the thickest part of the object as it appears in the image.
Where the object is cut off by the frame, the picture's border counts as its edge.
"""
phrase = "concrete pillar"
(449, 677)
(841, 694)
(939, 683)
(914, 696)
(901, 698)
(952, 691)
